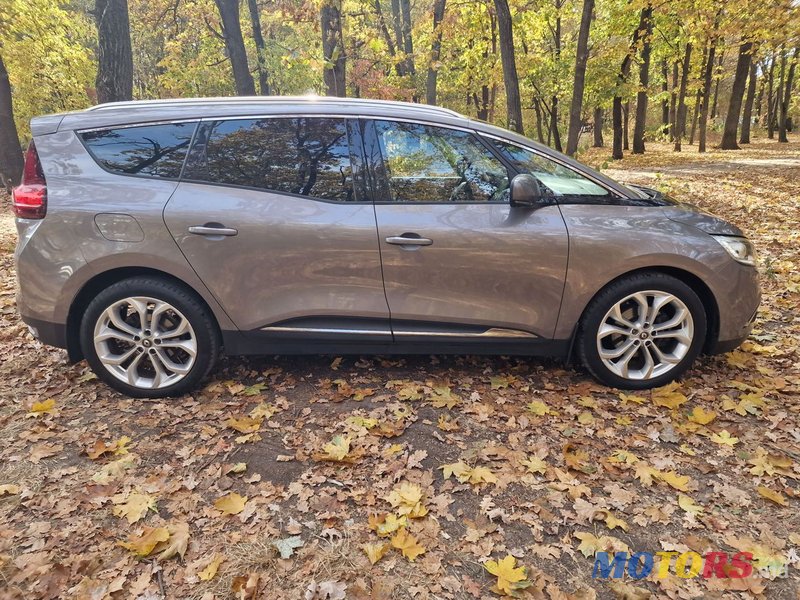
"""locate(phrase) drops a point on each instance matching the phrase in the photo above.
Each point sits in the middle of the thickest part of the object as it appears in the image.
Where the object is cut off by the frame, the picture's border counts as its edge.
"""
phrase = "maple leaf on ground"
(245, 587)
(688, 505)
(668, 396)
(210, 570)
(386, 524)
(771, 495)
(245, 424)
(464, 474)
(375, 551)
(539, 408)
(230, 504)
(510, 578)
(287, 546)
(534, 464)
(99, 448)
(626, 591)
(327, 590)
(337, 450)
(45, 407)
(407, 544)
(9, 489)
(591, 544)
(133, 506)
(177, 543)
(115, 469)
(143, 545)
(701, 416)
(724, 438)
(408, 499)
(678, 482)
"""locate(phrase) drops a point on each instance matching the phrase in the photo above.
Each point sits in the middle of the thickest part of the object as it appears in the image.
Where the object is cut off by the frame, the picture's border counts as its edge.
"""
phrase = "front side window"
(308, 156)
(435, 164)
(556, 179)
(150, 150)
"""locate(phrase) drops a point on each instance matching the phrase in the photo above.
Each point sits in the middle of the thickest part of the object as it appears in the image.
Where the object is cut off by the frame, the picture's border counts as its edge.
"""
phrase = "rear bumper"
(51, 334)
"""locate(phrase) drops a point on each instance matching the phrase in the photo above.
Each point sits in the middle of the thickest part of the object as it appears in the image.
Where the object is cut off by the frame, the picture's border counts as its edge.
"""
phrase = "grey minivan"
(155, 235)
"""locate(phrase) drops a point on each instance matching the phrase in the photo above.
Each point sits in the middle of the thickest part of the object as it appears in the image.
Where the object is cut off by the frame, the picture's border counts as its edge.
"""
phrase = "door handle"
(408, 239)
(212, 230)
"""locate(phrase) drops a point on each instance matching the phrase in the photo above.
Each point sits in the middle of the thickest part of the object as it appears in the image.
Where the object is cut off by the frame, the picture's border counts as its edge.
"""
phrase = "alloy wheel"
(145, 342)
(645, 335)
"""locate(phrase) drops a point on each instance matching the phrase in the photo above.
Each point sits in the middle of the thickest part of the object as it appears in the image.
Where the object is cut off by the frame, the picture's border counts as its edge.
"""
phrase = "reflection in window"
(555, 178)
(154, 150)
(306, 156)
(436, 164)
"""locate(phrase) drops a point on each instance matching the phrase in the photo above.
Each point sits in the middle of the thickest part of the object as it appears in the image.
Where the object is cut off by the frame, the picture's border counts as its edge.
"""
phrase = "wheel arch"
(693, 281)
(99, 282)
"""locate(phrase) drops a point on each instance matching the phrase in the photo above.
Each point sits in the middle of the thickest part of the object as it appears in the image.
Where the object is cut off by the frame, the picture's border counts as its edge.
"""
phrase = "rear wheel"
(149, 338)
(642, 331)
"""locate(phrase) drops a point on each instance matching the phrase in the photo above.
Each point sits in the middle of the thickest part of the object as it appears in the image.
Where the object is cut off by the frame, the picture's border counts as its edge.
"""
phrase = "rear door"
(460, 264)
(273, 215)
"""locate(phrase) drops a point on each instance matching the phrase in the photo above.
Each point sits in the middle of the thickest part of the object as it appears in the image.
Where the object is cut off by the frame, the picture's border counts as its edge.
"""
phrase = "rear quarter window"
(146, 150)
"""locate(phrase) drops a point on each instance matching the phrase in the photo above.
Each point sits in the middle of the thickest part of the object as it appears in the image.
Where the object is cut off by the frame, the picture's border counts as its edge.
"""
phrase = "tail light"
(30, 197)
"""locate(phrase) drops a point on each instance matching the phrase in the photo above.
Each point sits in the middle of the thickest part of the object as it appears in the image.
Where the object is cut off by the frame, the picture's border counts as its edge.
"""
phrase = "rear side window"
(308, 156)
(148, 150)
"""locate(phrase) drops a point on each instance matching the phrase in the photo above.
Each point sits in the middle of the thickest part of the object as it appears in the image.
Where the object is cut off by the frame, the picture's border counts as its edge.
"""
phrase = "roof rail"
(268, 100)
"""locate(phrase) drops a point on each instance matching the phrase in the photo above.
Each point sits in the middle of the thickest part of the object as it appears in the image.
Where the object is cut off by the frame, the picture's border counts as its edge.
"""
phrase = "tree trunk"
(680, 116)
(747, 114)
(554, 99)
(776, 109)
(234, 44)
(707, 80)
(436, 51)
(760, 96)
(786, 99)
(510, 77)
(770, 92)
(333, 49)
(538, 110)
(408, 43)
(626, 118)
(581, 56)
(114, 55)
(620, 136)
(261, 48)
(717, 78)
(644, 79)
(737, 94)
(666, 115)
(598, 128)
(387, 36)
(11, 161)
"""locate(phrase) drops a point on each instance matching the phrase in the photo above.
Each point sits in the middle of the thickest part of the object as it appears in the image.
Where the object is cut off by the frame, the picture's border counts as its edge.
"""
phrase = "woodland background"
(636, 70)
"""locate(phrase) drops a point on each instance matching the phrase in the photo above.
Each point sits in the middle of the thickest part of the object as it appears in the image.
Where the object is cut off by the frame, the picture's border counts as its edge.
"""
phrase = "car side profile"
(156, 235)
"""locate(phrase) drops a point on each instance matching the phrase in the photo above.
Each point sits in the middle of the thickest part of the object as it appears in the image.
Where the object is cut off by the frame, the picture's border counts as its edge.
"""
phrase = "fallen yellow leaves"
(386, 524)
(688, 505)
(702, 416)
(9, 489)
(408, 499)
(668, 396)
(375, 551)
(590, 544)
(770, 464)
(169, 541)
(132, 506)
(510, 578)
(723, 438)
(245, 424)
(100, 448)
(45, 407)
(210, 570)
(230, 504)
(534, 464)
(771, 495)
(539, 408)
(466, 474)
(645, 474)
(337, 450)
(407, 544)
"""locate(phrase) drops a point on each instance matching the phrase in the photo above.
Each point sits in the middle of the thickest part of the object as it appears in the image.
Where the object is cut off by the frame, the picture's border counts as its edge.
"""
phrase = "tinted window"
(436, 164)
(154, 150)
(555, 178)
(307, 156)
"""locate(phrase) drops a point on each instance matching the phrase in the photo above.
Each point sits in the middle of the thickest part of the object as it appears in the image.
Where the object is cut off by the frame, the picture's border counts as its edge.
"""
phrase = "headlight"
(740, 249)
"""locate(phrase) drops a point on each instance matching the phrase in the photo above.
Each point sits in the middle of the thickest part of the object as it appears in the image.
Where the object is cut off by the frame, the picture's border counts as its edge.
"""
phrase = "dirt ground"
(545, 465)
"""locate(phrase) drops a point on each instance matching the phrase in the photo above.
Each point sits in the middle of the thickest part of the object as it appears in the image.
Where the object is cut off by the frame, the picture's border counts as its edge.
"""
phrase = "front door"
(272, 214)
(460, 263)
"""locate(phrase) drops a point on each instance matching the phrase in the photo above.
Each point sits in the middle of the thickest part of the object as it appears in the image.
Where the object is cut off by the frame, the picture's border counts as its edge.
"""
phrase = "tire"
(165, 352)
(672, 342)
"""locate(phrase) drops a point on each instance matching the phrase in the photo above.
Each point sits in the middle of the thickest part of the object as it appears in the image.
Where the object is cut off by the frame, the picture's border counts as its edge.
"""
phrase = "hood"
(689, 214)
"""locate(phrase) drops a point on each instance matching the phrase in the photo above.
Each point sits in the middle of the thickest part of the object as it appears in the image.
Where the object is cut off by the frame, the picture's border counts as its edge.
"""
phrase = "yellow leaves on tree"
(407, 544)
(466, 474)
(408, 499)
(132, 506)
(230, 504)
(511, 579)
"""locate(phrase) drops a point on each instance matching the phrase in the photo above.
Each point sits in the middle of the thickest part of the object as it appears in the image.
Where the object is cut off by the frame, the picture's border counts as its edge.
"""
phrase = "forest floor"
(315, 457)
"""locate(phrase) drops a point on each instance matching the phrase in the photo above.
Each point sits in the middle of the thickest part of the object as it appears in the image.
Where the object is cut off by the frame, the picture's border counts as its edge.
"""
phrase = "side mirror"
(525, 191)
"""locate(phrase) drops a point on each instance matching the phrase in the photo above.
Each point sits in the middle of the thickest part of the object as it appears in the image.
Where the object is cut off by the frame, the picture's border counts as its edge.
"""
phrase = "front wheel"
(642, 331)
(149, 338)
